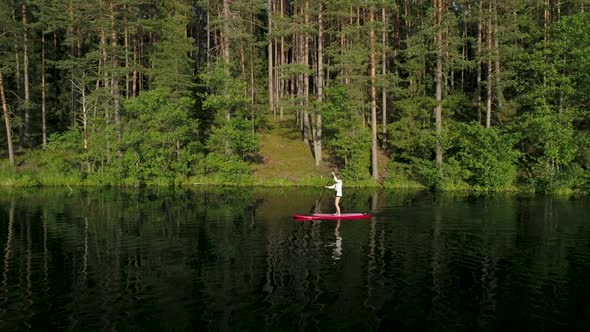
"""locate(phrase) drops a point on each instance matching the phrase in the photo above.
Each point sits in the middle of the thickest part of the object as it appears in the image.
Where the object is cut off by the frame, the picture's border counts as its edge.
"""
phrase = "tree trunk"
(21, 128)
(115, 79)
(252, 55)
(305, 54)
(384, 73)
(226, 53)
(243, 69)
(275, 77)
(282, 60)
(104, 56)
(374, 164)
(546, 18)
(26, 75)
(43, 93)
(84, 115)
(490, 71)
(127, 80)
(478, 56)
(225, 37)
(439, 82)
(320, 85)
(6, 121)
(135, 73)
(464, 48)
(499, 93)
(208, 53)
(271, 107)
(72, 33)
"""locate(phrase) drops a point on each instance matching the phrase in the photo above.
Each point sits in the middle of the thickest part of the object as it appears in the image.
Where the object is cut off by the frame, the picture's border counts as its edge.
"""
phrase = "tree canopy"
(480, 94)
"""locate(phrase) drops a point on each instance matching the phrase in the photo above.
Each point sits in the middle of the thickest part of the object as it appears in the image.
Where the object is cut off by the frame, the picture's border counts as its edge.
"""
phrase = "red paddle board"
(328, 216)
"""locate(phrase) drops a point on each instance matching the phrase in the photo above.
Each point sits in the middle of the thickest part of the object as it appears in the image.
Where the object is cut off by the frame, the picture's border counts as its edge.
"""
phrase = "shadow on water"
(215, 258)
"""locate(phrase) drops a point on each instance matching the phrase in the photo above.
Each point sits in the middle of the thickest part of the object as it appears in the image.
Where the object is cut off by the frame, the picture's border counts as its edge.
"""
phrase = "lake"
(230, 259)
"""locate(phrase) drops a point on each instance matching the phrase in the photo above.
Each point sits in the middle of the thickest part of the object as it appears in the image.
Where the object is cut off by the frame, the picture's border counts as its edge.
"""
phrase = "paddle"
(313, 210)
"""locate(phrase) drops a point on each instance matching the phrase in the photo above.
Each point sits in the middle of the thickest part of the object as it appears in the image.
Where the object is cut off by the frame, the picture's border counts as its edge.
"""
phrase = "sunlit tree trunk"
(282, 60)
(499, 92)
(43, 94)
(275, 76)
(26, 74)
(305, 58)
(72, 45)
(384, 73)
(225, 42)
(478, 58)
(225, 33)
(242, 54)
(271, 106)
(18, 79)
(343, 47)
(546, 18)
(208, 28)
(319, 84)
(127, 79)
(104, 57)
(439, 81)
(465, 46)
(115, 79)
(374, 164)
(252, 55)
(82, 91)
(135, 72)
(6, 121)
(490, 70)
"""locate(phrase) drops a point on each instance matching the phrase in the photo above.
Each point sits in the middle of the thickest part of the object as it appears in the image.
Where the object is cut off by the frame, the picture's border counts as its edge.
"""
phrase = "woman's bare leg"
(337, 203)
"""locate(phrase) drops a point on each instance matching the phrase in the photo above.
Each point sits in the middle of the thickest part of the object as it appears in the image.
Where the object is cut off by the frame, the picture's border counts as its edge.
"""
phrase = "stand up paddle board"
(328, 216)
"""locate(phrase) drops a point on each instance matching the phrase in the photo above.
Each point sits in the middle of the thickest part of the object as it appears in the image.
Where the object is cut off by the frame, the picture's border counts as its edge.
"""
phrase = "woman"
(338, 187)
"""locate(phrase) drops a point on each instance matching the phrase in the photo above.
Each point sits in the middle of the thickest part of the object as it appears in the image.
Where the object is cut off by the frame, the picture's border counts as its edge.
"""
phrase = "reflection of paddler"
(338, 249)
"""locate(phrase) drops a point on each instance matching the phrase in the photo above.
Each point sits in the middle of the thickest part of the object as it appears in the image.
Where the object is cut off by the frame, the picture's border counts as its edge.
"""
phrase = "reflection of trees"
(220, 258)
(7, 256)
(111, 250)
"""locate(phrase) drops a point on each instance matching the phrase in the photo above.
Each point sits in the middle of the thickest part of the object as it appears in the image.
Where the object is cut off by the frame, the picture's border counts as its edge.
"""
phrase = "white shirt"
(338, 187)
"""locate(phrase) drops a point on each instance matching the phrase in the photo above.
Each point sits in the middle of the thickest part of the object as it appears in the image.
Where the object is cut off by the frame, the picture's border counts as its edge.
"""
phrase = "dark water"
(233, 259)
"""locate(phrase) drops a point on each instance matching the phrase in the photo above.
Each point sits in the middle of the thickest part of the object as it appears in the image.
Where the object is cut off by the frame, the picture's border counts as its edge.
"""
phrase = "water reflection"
(233, 259)
(337, 244)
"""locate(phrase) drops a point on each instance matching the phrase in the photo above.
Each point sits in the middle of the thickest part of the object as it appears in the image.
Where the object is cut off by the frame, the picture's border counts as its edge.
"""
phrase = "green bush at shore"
(399, 178)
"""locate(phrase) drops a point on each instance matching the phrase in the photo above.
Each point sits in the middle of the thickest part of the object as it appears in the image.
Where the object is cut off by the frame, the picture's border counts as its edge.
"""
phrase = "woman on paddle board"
(337, 186)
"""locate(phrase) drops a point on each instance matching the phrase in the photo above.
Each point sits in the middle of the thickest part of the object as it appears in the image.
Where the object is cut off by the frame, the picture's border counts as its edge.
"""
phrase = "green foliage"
(18, 179)
(400, 175)
(156, 134)
(234, 137)
(485, 154)
(171, 62)
(412, 136)
(27, 181)
(64, 152)
(223, 94)
(548, 144)
(344, 135)
(232, 141)
(228, 170)
(448, 176)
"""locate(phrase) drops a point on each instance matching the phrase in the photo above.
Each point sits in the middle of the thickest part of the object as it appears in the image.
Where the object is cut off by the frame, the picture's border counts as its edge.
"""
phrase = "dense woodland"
(484, 94)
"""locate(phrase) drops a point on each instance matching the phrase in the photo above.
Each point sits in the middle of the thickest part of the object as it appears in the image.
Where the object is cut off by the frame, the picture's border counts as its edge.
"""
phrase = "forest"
(467, 94)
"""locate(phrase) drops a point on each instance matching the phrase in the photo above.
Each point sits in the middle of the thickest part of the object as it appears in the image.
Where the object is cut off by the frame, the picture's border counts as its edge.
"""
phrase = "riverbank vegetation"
(445, 95)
